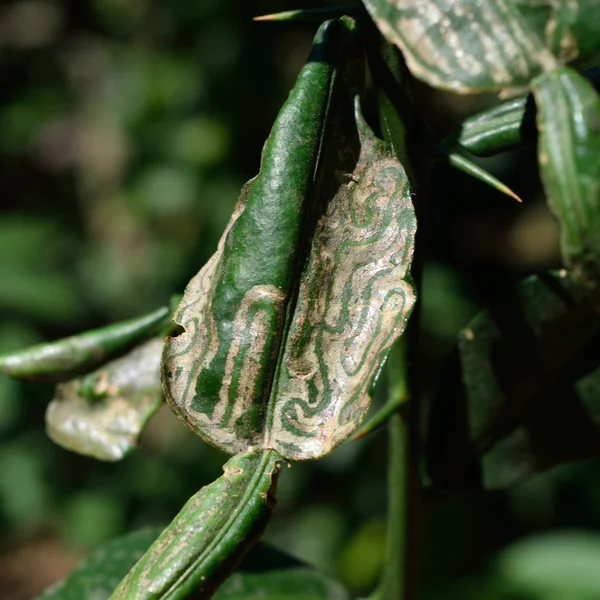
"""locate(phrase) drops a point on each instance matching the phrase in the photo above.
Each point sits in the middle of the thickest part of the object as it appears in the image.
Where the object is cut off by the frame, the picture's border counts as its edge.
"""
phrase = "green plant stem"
(405, 502)
(395, 574)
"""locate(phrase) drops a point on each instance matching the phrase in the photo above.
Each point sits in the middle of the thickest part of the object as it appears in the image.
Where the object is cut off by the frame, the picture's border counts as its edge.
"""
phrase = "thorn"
(311, 14)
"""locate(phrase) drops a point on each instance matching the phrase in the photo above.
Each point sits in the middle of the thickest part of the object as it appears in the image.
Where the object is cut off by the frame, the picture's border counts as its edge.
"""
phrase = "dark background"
(127, 128)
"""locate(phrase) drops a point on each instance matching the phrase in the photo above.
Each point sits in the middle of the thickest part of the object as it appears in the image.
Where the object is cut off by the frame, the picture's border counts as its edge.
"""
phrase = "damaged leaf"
(288, 323)
(103, 414)
(465, 46)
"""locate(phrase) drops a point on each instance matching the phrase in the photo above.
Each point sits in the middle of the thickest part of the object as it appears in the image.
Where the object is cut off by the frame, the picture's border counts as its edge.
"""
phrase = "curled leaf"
(61, 360)
(210, 535)
(103, 414)
(289, 322)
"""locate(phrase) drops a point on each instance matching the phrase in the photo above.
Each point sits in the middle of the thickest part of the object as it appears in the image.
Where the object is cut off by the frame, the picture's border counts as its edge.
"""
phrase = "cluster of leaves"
(286, 328)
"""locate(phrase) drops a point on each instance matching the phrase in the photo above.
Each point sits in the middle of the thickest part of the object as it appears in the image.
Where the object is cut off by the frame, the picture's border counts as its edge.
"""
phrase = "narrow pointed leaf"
(61, 360)
(508, 363)
(210, 535)
(464, 46)
(569, 156)
(292, 368)
(102, 414)
(470, 168)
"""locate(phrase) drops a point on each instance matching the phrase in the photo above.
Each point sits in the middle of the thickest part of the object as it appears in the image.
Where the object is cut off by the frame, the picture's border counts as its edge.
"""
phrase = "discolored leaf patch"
(466, 46)
(288, 323)
(103, 414)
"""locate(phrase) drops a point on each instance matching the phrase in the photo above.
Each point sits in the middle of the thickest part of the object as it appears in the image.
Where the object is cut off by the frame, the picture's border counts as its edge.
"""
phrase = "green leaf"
(98, 575)
(265, 573)
(207, 539)
(283, 340)
(502, 411)
(465, 46)
(102, 414)
(505, 127)
(557, 564)
(283, 584)
(568, 120)
(71, 356)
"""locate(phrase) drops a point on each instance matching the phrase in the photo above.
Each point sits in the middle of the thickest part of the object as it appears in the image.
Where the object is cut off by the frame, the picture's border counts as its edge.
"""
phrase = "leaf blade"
(569, 156)
(61, 360)
(464, 46)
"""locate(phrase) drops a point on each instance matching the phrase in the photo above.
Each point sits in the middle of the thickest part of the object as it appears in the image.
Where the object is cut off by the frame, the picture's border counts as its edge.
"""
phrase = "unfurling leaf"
(465, 46)
(63, 359)
(504, 410)
(569, 155)
(290, 320)
(210, 535)
(103, 414)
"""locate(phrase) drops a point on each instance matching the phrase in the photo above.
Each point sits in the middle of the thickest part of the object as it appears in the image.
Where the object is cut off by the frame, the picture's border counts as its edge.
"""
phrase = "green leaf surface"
(283, 584)
(265, 573)
(61, 360)
(508, 404)
(102, 414)
(505, 127)
(283, 339)
(469, 46)
(98, 575)
(210, 535)
(568, 120)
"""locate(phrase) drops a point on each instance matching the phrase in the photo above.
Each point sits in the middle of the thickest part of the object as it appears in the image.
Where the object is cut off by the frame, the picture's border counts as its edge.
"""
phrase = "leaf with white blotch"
(568, 117)
(63, 359)
(465, 46)
(288, 323)
(103, 414)
(506, 407)
(210, 535)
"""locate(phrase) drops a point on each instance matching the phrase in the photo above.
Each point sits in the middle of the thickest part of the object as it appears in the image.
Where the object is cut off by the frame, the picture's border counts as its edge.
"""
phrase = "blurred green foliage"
(126, 130)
